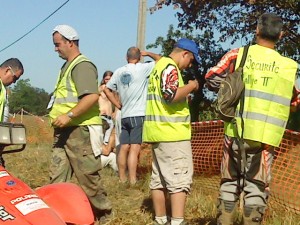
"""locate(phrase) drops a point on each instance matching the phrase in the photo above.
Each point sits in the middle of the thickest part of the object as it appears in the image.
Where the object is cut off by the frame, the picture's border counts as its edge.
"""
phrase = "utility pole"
(141, 28)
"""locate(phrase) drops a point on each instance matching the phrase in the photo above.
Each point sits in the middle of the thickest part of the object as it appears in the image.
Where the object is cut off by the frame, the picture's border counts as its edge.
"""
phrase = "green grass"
(133, 205)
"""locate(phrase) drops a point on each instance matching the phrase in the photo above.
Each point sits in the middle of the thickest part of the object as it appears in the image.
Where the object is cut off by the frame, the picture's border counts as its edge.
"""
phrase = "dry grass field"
(131, 204)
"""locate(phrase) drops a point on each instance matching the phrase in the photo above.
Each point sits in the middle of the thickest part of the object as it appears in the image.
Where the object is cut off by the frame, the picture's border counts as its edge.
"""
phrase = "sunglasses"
(15, 78)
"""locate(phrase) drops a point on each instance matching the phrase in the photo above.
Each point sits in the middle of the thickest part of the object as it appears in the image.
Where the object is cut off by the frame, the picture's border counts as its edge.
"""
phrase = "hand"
(105, 150)
(144, 53)
(113, 115)
(293, 108)
(119, 106)
(61, 121)
(295, 103)
(195, 83)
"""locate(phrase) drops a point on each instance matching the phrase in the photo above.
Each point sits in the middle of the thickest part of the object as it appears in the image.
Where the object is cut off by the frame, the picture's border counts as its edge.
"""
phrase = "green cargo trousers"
(72, 153)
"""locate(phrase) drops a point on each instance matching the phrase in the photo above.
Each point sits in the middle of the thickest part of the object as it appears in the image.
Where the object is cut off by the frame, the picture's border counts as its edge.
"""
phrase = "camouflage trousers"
(72, 153)
(254, 183)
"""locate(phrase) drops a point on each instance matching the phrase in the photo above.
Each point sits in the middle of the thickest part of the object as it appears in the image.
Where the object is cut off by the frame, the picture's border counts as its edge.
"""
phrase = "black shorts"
(131, 131)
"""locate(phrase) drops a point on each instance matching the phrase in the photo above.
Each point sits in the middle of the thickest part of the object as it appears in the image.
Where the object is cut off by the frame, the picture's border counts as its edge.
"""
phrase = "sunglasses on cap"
(15, 78)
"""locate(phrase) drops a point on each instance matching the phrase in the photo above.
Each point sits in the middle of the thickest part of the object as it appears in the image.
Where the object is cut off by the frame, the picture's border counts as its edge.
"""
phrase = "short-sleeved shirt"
(85, 78)
(131, 82)
(169, 83)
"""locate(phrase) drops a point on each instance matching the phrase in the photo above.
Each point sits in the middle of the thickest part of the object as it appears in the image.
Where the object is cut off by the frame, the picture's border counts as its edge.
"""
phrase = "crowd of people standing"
(98, 125)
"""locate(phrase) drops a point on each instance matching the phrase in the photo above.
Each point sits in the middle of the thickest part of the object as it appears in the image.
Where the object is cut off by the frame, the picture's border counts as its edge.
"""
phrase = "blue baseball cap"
(190, 46)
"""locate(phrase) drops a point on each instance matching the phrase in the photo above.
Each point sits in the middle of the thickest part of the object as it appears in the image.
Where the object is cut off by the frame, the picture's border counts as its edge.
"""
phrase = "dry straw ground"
(132, 205)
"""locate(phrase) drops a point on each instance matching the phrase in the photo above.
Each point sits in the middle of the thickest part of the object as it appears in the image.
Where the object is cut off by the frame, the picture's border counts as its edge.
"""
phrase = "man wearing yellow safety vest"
(10, 71)
(74, 114)
(167, 127)
(269, 81)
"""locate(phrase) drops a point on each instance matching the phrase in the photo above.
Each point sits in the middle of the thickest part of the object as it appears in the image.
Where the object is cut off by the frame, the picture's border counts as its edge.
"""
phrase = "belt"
(106, 116)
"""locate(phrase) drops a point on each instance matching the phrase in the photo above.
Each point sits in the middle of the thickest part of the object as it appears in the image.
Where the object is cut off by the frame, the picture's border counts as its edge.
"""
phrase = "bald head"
(133, 55)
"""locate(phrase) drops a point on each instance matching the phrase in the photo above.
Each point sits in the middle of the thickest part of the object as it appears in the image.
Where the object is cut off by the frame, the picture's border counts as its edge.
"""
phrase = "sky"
(107, 28)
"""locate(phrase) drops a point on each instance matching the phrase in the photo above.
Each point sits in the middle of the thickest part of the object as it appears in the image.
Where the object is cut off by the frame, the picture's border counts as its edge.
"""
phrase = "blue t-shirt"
(131, 82)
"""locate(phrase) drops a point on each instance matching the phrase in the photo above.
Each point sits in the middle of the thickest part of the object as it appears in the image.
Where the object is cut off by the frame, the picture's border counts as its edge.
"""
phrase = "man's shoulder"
(86, 64)
(165, 60)
(121, 69)
(144, 67)
(292, 62)
(84, 67)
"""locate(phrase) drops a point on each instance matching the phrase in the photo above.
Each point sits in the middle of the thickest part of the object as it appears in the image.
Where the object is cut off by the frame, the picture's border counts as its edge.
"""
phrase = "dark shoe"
(101, 202)
(225, 212)
(253, 215)
(103, 216)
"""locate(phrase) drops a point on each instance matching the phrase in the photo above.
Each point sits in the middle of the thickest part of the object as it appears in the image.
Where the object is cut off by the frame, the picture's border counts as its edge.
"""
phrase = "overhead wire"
(35, 26)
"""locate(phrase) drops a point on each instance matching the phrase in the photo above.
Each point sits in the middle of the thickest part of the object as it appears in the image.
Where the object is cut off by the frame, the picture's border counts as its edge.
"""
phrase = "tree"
(235, 20)
(31, 99)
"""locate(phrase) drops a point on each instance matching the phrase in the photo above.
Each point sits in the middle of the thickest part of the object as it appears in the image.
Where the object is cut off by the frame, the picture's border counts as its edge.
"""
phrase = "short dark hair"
(14, 63)
(269, 26)
(134, 53)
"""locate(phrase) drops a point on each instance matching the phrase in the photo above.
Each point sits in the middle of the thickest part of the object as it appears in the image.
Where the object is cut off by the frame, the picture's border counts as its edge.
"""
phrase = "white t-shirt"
(131, 82)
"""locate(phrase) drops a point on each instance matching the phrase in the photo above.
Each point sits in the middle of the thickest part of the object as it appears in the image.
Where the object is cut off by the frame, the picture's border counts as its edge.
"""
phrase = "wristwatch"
(70, 114)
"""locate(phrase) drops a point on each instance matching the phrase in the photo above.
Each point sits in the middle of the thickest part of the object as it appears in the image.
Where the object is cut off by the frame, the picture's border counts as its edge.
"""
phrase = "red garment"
(225, 66)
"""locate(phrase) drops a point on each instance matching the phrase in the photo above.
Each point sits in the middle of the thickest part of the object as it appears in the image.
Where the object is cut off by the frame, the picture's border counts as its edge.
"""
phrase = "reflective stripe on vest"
(164, 118)
(267, 96)
(169, 119)
(165, 121)
(269, 79)
(66, 98)
(264, 118)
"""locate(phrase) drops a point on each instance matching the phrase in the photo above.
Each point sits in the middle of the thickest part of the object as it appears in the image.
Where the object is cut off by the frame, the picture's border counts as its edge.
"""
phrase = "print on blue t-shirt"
(126, 78)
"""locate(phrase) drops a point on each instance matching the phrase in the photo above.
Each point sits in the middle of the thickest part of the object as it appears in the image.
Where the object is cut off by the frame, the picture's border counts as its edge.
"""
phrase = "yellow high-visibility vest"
(269, 80)
(66, 98)
(165, 122)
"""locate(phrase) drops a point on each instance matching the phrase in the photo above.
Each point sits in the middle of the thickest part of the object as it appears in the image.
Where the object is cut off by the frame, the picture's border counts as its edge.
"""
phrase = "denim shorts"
(131, 131)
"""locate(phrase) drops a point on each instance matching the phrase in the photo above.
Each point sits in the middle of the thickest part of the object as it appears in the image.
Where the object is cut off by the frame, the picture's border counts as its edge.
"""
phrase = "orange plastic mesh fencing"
(38, 129)
(207, 145)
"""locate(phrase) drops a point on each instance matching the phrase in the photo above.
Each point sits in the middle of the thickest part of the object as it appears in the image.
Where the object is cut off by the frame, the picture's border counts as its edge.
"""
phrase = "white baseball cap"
(68, 32)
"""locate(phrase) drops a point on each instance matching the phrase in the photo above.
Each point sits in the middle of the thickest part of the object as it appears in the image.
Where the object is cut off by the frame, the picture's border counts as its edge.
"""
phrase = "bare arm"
(112, 97)
(182, 92)
(152, 55)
